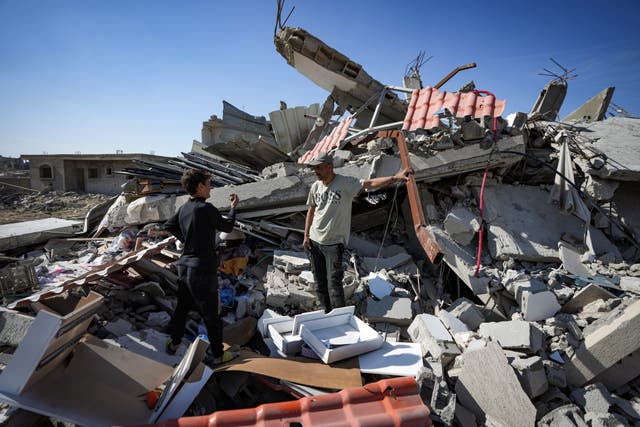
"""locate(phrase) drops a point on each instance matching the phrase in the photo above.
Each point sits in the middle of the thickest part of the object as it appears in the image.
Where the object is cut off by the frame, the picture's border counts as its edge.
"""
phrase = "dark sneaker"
(171, 348)
(227, 356)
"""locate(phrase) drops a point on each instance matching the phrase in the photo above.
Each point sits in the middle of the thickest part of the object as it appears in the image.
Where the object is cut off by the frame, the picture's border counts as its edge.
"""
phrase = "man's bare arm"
(383, 181)
(306, 243)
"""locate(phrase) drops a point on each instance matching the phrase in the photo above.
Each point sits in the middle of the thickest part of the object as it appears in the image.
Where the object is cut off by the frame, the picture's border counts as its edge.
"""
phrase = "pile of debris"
(28, 205)
(503, 280)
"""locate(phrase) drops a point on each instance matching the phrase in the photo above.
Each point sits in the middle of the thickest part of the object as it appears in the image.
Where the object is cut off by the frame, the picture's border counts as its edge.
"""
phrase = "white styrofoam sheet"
(339, 336)
(402, 359)
(282, 337)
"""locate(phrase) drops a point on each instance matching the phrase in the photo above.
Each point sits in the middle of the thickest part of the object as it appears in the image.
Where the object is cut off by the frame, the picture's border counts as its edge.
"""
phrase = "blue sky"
(141, 76)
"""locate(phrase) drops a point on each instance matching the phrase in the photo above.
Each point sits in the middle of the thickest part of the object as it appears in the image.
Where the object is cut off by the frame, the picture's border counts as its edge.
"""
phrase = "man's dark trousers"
(326, 263)
(198, 289)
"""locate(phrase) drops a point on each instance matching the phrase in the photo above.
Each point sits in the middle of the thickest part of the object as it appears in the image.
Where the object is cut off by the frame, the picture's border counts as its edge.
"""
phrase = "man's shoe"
(227, 356)
(171, 348)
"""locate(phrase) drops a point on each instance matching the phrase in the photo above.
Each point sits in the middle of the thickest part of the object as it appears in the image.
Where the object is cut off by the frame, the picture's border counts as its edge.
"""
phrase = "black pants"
(198, 289)
(326, 263)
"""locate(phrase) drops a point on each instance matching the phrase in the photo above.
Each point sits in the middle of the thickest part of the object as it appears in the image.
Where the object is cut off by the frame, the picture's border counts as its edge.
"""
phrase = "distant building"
(8, 164)
(82, 173)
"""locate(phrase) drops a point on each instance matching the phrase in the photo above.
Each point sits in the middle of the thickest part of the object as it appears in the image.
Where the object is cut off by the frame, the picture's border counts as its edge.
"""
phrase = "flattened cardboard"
(345, 374)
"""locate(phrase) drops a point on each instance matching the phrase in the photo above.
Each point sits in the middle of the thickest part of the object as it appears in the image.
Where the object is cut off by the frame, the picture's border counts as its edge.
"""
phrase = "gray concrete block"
(531, 374)
(620, 373)
(461, 224)
(630, 284)
(568, 415)
(14, 326)
(433, 337)
(461, 260)
(555, 373)
(488, 386)
(598, 419)
(460, 332)
(467, 312)
(389, 309)
(539, 305)
(585, 296)
(291, 262)
(593, 398)
(605, 346)
(513, 334)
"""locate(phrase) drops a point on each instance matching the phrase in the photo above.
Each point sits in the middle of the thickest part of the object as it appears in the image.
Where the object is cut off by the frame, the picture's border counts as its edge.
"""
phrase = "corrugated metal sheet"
(329, 142)
(393, 402)
(428, 101)
(291, 127)
(93, 275)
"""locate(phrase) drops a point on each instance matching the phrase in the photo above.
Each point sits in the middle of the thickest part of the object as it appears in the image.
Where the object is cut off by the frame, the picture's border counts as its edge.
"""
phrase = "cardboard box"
(59, 370)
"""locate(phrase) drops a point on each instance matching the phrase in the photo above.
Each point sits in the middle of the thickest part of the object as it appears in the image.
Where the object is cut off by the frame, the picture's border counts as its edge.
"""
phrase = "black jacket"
(195, 224)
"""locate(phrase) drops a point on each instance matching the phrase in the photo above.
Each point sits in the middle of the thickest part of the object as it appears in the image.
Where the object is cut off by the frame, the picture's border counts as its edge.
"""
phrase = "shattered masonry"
(499, 287)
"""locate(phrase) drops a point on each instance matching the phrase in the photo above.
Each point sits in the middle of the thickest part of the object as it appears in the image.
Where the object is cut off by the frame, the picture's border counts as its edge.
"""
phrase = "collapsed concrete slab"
(605, 346)
(157, 208)
(594, 109)
(523, 225)
(550, 99)
(466, 159)
(276, 192)
(21, 234)
(291, 125)
(488, 386)
(348, 82)
(617, 138)
(241, 138)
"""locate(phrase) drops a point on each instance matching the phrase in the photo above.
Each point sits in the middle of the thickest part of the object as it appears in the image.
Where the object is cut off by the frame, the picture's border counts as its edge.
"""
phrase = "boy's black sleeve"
(221, 223)
(173, 226)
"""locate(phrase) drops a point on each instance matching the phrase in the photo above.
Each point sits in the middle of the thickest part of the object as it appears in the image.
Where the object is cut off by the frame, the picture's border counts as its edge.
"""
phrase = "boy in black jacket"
(195, 225)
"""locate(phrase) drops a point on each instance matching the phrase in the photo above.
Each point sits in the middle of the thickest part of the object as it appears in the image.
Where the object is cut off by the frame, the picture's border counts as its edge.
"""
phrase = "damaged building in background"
(500, 286)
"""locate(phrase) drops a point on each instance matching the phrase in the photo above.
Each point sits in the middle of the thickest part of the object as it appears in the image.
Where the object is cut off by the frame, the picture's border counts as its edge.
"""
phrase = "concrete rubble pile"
(529, 316)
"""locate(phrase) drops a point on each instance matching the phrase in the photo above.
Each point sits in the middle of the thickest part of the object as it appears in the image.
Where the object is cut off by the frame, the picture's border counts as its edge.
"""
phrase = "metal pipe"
(453, 73)
(428, 242)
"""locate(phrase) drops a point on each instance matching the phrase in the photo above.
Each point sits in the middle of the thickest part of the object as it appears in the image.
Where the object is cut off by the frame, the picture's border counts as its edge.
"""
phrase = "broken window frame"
(93, 173)
(45, 167)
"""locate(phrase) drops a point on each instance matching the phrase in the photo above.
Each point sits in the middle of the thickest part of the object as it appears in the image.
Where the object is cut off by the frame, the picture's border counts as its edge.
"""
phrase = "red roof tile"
(428, 101)
(328, 142)
(393, 402)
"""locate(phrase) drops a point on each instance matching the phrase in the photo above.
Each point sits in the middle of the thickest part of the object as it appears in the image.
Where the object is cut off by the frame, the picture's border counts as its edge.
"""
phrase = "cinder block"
(433, 337)
(467, 312)
(513, 334)
(605, 346)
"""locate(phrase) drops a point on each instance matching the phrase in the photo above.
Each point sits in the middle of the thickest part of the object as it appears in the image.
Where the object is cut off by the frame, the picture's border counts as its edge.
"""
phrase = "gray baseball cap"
(321, 158)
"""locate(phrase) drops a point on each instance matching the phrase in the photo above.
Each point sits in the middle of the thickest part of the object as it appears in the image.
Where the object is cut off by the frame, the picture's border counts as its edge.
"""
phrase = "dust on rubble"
(19, 207)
